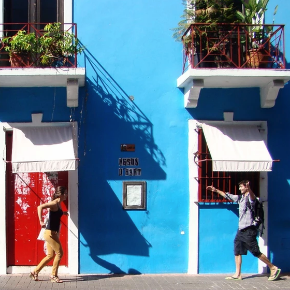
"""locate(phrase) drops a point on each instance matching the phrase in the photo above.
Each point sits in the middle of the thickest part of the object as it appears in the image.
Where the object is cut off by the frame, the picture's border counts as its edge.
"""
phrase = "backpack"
(258, 216)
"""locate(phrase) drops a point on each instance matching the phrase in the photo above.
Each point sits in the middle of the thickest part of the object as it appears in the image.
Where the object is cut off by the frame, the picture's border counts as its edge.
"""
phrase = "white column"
(1, 18)
(67, 17)
(263, 241)
(193, 198)
(73, 234)
(3, 261)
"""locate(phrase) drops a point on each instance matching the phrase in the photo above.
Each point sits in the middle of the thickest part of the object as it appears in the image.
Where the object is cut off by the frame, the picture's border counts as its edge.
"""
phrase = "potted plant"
(22, 48)
(253, 11)
(56, 46)
(207, 14)
(253, 14)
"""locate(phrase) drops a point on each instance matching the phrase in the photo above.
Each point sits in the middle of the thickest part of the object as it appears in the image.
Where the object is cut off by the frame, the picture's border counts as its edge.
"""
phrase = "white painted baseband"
(28, 269)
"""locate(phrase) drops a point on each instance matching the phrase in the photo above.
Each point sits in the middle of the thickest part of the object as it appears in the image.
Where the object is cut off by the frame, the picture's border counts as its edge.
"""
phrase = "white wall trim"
(73, 249)
(193, 198)
(3, 261)
(73, 233)
(68, 11)
(1, 18)
(193, 194)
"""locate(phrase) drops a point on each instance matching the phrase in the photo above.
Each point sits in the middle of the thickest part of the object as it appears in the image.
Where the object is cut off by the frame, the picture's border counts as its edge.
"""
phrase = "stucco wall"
(130, 52)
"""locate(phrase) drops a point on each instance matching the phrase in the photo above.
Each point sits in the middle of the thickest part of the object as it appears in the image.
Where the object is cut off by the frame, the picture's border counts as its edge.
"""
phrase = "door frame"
(73, 247)
(67, 14)
(193, 252)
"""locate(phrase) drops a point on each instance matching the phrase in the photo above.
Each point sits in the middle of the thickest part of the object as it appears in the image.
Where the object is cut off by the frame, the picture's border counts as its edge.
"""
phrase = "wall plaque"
(128, 147)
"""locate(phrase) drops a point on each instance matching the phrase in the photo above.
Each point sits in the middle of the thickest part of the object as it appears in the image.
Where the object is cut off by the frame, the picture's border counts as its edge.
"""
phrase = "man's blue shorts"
(246, 240)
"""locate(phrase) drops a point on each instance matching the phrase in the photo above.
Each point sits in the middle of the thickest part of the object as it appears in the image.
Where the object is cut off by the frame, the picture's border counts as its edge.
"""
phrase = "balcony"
(29, 69)
(233, 56)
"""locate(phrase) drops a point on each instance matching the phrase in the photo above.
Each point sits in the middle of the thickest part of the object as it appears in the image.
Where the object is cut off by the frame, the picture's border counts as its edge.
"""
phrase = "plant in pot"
(22, 48)
(201, 41)
(253, 13)
(54, 47)
(57, 47)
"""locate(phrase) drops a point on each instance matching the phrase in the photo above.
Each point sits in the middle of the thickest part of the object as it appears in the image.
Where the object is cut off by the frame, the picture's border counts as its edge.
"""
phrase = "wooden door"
(25, 191)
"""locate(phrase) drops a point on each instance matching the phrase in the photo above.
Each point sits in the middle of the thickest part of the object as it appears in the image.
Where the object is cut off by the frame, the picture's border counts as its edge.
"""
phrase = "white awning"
(43, 149)
(237, 148)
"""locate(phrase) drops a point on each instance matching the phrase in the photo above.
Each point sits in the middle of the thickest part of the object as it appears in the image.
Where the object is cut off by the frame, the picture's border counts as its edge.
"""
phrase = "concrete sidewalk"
(145, 282)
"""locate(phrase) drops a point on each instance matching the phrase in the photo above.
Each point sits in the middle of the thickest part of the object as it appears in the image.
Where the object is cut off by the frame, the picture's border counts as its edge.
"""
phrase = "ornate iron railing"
(240, 46)
(34, 60)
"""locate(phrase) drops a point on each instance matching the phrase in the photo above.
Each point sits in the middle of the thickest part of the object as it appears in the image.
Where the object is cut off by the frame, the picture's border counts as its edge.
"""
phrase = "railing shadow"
(108, 117)
(279, 226)
(121, 111)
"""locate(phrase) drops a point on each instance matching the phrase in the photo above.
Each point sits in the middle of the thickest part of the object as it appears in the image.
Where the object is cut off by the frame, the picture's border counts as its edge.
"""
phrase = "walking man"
(246, 237)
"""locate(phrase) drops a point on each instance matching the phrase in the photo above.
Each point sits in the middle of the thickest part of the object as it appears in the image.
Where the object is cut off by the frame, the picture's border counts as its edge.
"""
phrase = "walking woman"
(51, 234)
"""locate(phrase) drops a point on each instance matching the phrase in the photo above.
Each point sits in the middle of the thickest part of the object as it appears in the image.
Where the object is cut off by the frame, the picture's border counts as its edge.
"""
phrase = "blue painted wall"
(130, 52)
(279, 189)
(17, 104)
(218, 224)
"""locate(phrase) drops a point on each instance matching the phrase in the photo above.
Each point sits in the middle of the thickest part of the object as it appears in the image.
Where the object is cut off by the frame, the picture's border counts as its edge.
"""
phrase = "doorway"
(33, 11)
(24, 192)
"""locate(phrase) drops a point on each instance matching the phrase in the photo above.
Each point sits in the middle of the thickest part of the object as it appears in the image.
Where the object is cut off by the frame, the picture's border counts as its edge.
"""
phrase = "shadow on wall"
(115, 119)
(109, 118)
(108, 229)
(278, 182)
(287, 64)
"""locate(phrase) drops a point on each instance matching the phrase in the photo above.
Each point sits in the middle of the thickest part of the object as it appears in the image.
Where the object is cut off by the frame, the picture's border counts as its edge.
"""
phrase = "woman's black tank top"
(54, 220)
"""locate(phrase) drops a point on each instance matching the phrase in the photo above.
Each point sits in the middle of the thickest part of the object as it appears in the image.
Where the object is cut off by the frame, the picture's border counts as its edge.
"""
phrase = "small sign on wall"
(134, 194)
(128, 161)
(129, 171)
(128, 147)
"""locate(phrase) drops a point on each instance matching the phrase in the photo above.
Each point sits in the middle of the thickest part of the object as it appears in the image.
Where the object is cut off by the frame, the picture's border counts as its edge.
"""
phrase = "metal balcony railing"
(33, 59)
(240, 46)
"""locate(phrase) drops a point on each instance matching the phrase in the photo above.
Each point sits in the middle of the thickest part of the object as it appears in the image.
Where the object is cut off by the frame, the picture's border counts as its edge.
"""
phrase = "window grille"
(225, 181)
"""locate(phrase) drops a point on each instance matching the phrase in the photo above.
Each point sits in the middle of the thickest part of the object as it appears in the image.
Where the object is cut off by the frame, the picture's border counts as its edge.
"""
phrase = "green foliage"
(53, 44)
(22, 42)
(254, 11)
(206, 11)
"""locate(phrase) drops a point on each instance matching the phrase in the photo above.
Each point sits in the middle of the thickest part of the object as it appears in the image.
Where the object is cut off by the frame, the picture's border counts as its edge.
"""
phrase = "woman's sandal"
(33, 276)
(55, 279)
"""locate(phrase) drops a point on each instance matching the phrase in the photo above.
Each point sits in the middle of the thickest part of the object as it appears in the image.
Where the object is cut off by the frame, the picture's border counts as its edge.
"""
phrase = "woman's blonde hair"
(60, 190)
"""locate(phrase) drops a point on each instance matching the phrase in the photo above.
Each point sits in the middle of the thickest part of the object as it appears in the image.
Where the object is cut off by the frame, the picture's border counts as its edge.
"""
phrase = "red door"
(25, 191)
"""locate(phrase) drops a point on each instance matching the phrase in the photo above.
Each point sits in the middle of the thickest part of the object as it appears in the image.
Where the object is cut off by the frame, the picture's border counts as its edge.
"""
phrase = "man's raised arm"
(213, 189)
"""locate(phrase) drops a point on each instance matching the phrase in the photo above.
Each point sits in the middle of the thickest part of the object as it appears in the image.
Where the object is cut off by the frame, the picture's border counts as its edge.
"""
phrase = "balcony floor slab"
(40, 77)
(268, 80)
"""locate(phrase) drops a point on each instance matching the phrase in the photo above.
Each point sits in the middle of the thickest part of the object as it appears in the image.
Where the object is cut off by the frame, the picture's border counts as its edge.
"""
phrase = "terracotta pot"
(20, 60)
(257, 58)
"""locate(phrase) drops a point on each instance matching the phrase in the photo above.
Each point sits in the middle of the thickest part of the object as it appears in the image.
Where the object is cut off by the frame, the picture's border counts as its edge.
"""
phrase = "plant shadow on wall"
(108, 118)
